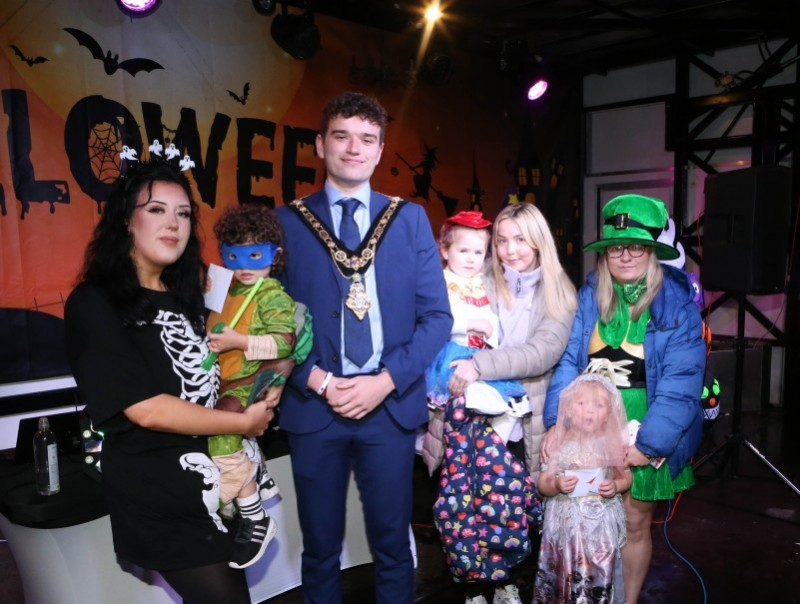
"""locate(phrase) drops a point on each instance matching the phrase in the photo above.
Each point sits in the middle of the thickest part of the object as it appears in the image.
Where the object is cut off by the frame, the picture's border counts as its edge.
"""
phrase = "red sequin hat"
(473, 220)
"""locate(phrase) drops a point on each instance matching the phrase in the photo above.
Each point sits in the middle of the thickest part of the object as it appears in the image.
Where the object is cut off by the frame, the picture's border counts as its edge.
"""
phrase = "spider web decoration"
(104, 147)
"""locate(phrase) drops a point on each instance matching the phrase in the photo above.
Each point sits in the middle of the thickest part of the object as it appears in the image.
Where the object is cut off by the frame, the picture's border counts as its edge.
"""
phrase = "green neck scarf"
(631, 292)
(621, 327)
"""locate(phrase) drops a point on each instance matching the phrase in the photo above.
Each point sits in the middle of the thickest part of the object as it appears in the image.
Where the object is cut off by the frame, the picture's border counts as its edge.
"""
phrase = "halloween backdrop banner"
(83, 85)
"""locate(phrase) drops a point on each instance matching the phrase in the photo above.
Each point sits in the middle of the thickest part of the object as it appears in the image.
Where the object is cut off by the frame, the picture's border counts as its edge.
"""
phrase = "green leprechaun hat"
(630, 219)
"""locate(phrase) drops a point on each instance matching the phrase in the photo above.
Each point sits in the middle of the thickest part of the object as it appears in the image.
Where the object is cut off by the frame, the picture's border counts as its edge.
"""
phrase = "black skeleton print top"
(162, 488)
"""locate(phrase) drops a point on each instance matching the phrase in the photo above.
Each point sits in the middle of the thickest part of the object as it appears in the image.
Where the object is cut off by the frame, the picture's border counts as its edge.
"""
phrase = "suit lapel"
(376, 204)
(318, 203)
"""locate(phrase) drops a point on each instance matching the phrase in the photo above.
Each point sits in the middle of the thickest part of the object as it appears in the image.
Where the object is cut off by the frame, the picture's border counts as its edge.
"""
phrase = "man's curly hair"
(355, 104)
(252, 223)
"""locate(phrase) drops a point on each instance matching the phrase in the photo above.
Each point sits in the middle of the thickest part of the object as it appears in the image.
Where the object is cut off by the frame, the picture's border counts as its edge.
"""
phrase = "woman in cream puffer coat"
(536, 303)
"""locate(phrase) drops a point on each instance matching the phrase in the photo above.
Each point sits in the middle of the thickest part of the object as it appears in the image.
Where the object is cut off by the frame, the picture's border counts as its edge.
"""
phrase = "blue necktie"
(357, 333)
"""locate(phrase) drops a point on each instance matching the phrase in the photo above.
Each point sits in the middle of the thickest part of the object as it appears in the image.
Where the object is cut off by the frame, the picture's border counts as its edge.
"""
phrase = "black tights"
(209, 584)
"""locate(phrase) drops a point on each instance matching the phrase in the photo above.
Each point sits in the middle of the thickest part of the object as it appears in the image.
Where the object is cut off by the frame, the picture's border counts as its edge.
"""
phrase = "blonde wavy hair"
(559, 292)
(607, 297)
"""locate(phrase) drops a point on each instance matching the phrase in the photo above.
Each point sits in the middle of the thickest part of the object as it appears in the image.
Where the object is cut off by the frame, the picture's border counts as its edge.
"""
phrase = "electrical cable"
(670, 510)
(679, 555)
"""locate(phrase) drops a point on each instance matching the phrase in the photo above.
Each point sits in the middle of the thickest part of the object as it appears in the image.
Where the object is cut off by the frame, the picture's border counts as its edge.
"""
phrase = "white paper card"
(220, 283)
(588, 481)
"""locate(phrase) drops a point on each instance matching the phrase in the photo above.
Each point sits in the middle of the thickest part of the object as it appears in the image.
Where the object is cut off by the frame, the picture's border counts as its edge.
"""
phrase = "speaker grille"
(746, 230)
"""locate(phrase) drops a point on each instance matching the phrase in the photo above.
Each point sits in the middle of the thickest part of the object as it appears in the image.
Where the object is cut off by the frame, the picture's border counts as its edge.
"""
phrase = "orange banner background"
(440, 138)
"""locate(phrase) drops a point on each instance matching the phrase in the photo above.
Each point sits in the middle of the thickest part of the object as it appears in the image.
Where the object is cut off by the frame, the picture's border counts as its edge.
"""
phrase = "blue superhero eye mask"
(255, 256)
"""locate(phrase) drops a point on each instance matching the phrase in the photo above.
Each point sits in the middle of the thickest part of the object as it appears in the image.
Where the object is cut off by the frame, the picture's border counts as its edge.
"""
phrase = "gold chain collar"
(351, 264)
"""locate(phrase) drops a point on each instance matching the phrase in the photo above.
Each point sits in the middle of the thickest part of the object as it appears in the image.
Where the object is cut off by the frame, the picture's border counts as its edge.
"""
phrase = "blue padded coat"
(675, 360)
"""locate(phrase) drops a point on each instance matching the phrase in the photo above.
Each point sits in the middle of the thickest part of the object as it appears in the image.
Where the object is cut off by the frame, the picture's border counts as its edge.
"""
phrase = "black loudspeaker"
(746, 230)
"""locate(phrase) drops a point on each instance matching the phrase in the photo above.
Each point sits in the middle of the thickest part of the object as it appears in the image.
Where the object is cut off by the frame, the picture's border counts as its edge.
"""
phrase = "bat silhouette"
(241, 99)
(31, 61)
(111, 64)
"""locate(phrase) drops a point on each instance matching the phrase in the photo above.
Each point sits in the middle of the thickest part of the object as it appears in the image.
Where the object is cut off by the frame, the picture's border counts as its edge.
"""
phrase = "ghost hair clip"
(156, 149)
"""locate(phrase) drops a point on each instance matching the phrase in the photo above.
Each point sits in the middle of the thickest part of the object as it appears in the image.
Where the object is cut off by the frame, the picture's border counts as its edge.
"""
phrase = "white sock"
(250, 507)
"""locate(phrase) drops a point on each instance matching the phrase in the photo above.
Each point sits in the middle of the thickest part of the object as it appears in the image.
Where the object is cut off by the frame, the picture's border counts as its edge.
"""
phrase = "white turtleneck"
(514, 321)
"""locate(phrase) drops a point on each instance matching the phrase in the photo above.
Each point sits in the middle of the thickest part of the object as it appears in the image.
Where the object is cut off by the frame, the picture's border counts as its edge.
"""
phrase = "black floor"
(733, 538)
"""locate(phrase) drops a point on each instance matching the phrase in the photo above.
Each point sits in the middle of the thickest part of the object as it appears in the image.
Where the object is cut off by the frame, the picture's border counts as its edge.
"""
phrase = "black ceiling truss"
(773, 137)
(582, 36)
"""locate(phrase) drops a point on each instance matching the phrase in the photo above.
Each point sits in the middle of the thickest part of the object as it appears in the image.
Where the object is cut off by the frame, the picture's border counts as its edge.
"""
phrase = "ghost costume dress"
(579, 557)
(162, 488)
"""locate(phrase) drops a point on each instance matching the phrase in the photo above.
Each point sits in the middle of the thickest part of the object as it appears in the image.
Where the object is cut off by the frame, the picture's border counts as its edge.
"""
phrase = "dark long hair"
(108, 263)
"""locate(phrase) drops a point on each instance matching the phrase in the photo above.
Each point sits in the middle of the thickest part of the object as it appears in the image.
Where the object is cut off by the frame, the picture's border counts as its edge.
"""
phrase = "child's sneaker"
(251, 541)
(506, 595)
(267, 488)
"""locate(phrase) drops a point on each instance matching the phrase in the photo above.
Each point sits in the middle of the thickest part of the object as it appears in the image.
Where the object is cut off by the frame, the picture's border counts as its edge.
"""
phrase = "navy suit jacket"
(414, 306)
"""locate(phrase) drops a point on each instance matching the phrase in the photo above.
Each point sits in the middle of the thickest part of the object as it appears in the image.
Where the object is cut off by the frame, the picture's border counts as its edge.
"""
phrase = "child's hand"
(273, 396)
(566, 483)
(209, 284)
(607, 488)
(229, 339)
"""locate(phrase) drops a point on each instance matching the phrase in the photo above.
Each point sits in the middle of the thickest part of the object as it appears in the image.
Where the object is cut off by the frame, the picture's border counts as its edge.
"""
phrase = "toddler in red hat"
(469, 435)
(463, 244)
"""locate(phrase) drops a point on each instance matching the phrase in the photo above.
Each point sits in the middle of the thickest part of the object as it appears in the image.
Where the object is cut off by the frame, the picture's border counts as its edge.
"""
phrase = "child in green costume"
(271, 334)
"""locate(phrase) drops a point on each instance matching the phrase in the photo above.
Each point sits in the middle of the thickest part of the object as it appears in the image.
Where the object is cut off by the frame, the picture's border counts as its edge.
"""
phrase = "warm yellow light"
(433, 13)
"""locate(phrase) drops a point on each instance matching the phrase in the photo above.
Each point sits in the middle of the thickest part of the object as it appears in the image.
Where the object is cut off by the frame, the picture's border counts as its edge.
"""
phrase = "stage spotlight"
(537, 88)
(138, 8)
(433, 14)
(538, 75)
(264, 7)
(296, 34)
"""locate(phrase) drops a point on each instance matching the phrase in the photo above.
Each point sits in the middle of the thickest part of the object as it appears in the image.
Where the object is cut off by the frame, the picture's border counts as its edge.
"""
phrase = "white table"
(77, 564)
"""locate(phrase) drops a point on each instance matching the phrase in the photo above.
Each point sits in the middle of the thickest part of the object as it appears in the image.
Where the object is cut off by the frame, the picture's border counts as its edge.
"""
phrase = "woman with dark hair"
(135, 335)
(638, 322)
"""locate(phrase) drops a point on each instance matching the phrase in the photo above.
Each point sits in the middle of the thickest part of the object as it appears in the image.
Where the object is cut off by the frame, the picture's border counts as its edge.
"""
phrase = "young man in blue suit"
(367, 267)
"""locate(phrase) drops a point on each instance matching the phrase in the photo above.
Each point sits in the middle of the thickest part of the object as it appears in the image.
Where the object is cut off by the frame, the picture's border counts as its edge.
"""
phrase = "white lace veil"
(584, 438)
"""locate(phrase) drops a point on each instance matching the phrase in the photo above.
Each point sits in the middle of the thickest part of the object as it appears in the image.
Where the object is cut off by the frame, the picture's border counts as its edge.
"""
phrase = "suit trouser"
(381, 455)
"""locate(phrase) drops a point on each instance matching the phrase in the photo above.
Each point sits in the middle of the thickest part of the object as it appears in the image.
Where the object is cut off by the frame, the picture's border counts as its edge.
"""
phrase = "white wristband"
(325, 382)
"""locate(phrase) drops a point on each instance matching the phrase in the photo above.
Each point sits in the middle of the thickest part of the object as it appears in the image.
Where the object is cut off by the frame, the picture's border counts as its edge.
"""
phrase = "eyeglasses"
(635, 250)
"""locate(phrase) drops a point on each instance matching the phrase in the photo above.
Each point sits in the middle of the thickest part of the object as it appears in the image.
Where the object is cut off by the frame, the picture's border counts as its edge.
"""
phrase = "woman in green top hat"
(637, 321)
